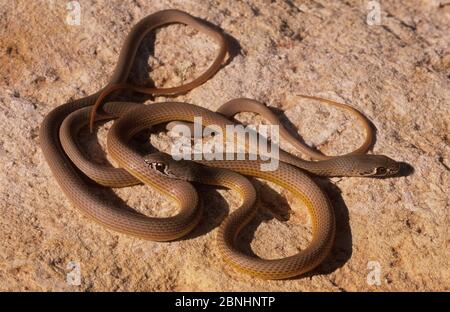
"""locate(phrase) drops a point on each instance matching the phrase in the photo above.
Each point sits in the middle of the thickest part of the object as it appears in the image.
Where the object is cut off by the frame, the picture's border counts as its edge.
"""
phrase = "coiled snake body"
(172, 177)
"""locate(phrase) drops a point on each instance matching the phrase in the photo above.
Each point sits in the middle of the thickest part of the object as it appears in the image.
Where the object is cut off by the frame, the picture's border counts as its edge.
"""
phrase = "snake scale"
(60, 127)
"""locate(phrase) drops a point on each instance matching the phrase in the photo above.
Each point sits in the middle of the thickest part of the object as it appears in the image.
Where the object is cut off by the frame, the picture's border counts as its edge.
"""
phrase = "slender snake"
(60, 127)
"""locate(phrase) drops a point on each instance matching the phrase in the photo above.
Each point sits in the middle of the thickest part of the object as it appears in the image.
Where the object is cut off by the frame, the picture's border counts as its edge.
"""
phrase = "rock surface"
(392, 234)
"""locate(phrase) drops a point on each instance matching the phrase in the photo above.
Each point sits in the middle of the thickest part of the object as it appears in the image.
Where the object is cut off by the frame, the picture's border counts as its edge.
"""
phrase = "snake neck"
(319, 168)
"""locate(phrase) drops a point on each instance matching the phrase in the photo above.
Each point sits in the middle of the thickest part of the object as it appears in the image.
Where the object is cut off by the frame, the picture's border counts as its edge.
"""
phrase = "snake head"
(164, 164)
(374, 166)
(160, 167)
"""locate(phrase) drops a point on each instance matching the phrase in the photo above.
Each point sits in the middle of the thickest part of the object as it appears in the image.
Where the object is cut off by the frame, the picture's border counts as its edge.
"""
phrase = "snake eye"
(157, 166)
(381, 171)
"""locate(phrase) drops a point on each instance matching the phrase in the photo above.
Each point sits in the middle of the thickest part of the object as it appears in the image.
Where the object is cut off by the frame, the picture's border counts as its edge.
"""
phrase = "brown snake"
(171, 177)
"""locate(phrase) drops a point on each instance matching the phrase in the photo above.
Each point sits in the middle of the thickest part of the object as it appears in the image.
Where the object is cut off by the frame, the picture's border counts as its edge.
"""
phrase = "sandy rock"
(392, 234)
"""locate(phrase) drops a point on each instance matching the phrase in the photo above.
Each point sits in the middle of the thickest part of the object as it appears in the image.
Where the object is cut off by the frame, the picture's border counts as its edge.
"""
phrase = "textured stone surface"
(397, 73)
